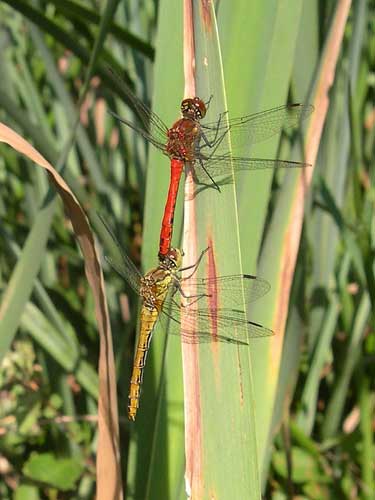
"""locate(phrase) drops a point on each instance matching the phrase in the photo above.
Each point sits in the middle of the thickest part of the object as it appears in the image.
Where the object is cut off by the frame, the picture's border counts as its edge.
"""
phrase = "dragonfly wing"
(158, 140)
(150, 120)
(231, 291)
(121, 263)
(217, 325)
(221, 165)
(253, 128)
(124, 272)
(152, 124)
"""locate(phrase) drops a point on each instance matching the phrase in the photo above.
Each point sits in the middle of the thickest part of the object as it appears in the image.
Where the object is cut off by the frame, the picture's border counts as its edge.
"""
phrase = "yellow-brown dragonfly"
(162, 295)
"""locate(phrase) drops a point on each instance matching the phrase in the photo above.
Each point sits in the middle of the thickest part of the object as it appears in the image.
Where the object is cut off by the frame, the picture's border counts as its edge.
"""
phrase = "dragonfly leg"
(193, 266)
(209, 175)
(207, 103)
(217, 143)
(170, 316)
(212, 143)
(177, 286)
(196, 297)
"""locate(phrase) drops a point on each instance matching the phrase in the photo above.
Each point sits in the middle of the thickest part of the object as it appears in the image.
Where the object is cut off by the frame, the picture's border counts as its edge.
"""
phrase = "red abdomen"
(167, 223)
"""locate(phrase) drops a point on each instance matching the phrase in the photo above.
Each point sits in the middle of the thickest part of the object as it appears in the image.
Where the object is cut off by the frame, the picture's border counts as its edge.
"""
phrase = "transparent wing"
(217, 325)
(122, 263)
(215, 312)
(221, 165)
(152, 126)
(123, 268)
(157, 140)
(230, 290)
(251, 129)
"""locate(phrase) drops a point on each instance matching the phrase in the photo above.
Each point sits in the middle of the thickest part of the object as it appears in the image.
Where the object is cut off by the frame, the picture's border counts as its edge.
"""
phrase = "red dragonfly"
(203, 145)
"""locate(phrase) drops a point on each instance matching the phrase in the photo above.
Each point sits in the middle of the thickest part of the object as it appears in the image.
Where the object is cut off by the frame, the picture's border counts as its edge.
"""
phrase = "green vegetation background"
(319, 442)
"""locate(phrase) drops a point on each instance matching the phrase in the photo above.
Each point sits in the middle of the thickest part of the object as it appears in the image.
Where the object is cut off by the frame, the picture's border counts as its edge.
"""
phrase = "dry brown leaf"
(293, 234)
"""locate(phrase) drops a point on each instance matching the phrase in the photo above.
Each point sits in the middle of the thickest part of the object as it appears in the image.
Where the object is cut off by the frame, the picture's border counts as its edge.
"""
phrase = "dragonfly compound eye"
(187, 106)
(174, 258)
(199, 108)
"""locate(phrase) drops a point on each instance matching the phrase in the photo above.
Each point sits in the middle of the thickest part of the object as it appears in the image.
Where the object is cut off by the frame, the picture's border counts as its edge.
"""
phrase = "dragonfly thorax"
(154, 287)
(182, 137)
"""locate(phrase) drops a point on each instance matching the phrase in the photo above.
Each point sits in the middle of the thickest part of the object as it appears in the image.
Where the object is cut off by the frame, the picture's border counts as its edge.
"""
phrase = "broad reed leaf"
(218, 380)
(260, 67)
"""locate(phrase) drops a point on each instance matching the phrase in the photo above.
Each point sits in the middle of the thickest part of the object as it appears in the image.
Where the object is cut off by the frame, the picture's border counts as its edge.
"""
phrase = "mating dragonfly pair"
(204, 147)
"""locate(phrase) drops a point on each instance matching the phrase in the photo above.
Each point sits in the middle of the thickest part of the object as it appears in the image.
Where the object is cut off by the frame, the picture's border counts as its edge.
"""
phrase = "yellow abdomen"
(156, 284)
(148, 320)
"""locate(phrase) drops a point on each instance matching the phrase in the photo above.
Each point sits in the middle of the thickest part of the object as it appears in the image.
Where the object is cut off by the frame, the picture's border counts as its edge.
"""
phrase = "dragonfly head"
(172, 260)
(193, 108)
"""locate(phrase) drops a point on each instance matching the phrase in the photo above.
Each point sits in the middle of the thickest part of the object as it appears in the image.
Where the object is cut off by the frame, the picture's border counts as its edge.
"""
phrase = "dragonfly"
(204, 145)
(162, 296)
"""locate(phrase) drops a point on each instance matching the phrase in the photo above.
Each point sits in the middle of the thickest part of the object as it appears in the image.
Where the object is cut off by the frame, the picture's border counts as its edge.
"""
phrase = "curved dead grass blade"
(108, 465)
